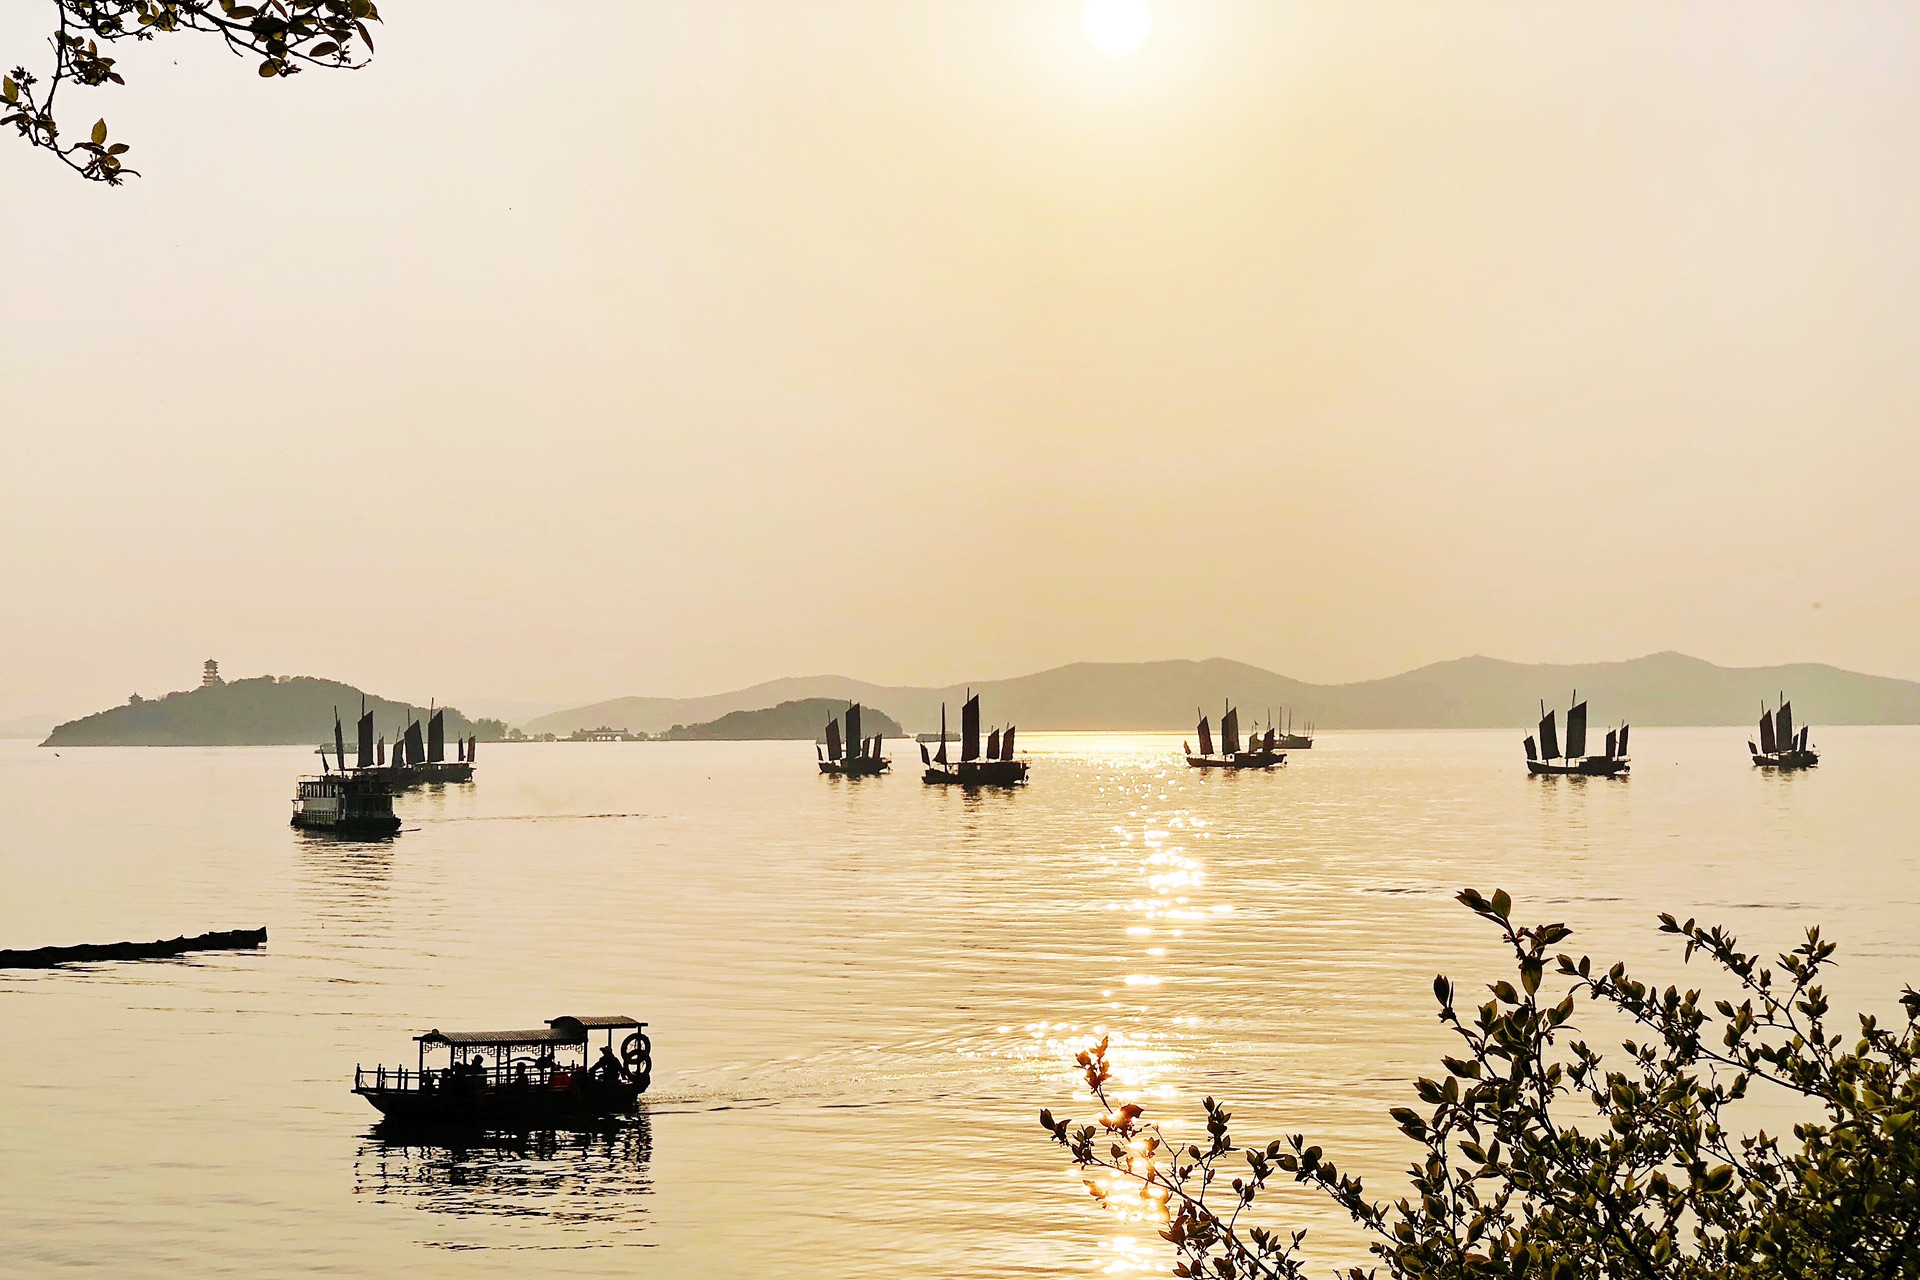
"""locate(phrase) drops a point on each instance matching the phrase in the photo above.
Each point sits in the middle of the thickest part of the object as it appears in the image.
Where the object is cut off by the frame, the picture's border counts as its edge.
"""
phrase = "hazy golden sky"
(575, 349)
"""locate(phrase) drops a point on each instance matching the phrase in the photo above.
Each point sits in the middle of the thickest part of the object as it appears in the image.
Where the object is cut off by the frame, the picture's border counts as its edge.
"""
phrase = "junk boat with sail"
(1288, 739)
(997, 768)
(1261, 751)
(356, 801)
(541, 1078)
(1547, 758)
(1780, 746)
(857, 756)
(418, 762)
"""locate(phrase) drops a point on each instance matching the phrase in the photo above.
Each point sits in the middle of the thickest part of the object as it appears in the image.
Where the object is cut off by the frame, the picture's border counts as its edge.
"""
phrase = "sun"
(1117, 27)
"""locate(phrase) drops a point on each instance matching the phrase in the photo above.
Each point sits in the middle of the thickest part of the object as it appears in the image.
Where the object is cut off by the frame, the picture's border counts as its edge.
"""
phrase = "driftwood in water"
(48, 957)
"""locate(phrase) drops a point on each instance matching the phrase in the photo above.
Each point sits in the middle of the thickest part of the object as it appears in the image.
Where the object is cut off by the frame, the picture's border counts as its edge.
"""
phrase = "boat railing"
(384, 1079)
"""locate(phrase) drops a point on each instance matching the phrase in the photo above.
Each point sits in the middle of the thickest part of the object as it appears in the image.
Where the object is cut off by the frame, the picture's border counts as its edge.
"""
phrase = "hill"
(803, 719)
(262, 711)
(1465, 693)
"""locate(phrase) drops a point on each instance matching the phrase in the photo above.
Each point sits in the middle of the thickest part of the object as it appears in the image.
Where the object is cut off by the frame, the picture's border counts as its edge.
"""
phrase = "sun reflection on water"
(1161, 900)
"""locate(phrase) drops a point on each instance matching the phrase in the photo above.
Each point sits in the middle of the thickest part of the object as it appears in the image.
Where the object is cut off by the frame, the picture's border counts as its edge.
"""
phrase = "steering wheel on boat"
(636, 1055)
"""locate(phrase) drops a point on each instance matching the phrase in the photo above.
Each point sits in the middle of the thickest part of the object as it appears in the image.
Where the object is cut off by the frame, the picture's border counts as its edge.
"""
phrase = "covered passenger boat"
(1546, 758)
(1261, 750)
(1780, 746)
(996, 767)
(857, 756)
(542, 1078)
(354, 801)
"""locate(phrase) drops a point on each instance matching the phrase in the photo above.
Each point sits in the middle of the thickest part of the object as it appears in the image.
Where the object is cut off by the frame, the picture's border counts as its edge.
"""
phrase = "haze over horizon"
(928, 343)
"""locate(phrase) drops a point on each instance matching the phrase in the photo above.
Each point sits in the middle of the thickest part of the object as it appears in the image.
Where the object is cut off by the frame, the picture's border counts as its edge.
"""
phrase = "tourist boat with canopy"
(1780, 746)
(996, 768)
(1261, 751)
(540, 1078)
(1546, 757)
(347, 801)
(857, 756)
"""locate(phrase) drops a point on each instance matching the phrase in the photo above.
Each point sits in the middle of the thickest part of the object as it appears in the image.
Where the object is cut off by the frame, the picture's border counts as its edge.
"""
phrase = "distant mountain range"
(263, 711)
(35, 727)
(805, 719)
(1466, 693)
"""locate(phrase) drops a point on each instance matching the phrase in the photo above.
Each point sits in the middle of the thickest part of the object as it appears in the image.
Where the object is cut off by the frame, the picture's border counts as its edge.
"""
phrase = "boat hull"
(977, 773)
(430, 773)
(1786, 759)
(1590, 767)
(865, 767)
(356, 826)
(580, 1105)
(1245, 760)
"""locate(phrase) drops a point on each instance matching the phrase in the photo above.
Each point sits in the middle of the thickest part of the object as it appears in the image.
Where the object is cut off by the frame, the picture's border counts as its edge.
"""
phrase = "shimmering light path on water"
(860, 993)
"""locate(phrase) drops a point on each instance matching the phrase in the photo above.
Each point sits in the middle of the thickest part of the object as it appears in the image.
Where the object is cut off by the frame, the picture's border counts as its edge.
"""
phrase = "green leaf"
(99, 132)
(1502, 904)
(267, 70)
(8, 89)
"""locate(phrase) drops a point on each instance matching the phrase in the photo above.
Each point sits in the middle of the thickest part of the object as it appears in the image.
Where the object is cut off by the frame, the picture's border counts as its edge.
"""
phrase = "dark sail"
(1006, 744)
(1577, 731)
(473, 741)
(1623, 741)
(1549, 738)
(1267, 745)
(1230, 732)
(339, 742)
(993, 744)
(416, 750)
(833, 739)
(1206, 737)
(1804, 731)
(380, 752)
(437, 736)
(363, 758)
(875, 753)
(1783, 727)
(970, 728)
(856, 743)
(1613, 743)
(1766, 732)
(1533, 752)
(941, 754)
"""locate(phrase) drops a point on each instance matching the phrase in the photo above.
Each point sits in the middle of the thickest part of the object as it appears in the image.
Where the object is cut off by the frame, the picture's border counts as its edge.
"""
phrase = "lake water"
(860, 994)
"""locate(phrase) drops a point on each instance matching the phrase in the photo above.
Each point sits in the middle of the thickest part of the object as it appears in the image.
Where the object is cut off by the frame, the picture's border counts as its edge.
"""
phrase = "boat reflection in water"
(576, 1180)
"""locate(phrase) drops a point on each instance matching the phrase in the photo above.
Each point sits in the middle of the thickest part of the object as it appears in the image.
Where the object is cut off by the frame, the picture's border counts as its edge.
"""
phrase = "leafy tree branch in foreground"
(287, 36)
(1541, 1157)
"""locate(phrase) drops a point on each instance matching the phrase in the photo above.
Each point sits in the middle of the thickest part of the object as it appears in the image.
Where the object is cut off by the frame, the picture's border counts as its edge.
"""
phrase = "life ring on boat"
(636, 1055)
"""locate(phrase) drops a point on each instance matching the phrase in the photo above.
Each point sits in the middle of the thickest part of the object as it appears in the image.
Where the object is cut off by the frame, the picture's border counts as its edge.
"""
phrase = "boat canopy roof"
(557, 1031)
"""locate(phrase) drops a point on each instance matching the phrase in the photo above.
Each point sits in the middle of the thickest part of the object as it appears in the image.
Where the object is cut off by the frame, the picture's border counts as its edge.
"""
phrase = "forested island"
(804, 719)
(261, 711)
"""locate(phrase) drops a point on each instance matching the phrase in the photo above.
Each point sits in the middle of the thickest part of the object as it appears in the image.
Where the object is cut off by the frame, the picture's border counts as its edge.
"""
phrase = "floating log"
(48, 957)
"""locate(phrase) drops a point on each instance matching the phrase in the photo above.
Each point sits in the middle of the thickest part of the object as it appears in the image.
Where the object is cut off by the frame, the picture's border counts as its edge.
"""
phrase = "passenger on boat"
(607, 1069)
(520, 1080)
